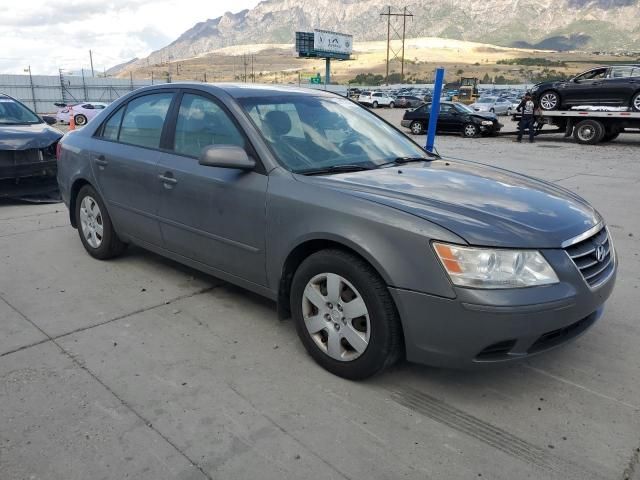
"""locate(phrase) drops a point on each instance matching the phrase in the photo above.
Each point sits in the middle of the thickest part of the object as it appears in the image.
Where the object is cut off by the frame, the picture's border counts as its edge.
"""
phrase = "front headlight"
(487, 122)
(494, 268)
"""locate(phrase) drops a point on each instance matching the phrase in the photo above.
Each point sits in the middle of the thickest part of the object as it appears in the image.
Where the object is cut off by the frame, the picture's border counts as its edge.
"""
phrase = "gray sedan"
(497, 105)
(376, 249)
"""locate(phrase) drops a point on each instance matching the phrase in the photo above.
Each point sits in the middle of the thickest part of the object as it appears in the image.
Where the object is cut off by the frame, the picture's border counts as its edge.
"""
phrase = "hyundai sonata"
(376, 248)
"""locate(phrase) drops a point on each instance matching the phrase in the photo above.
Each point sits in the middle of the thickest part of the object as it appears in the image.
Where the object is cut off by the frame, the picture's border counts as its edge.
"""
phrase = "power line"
(397, 36)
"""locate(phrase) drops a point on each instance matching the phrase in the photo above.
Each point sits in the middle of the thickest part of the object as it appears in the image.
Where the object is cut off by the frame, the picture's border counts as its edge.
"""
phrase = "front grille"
(28, 162)
(585, 256)
(10, 158)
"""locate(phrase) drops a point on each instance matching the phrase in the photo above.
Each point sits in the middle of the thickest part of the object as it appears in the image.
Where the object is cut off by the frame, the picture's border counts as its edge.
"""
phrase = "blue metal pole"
(435, 109)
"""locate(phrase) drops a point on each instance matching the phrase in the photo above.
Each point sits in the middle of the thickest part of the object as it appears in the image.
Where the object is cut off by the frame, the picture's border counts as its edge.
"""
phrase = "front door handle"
(167, 179)
(101, 161)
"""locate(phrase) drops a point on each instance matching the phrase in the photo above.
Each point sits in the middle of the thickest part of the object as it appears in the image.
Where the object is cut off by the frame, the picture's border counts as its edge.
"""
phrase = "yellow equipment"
(468, 91)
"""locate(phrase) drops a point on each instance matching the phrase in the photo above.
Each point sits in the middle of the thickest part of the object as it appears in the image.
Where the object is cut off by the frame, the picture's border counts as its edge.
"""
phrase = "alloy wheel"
(91, 221)
(636, 103)
(549, 101)
(336, 317)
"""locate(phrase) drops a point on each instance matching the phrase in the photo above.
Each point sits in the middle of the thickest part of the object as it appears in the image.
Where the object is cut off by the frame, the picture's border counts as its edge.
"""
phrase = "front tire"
(94, 226)
(80, 120)
(549, 100)
(470, 130)
(344, 315)
(416, 128)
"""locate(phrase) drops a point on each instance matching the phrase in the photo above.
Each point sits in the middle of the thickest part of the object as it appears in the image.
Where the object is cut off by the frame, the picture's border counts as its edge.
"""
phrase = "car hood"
(484, 115)
(23, 137)
(483, 205)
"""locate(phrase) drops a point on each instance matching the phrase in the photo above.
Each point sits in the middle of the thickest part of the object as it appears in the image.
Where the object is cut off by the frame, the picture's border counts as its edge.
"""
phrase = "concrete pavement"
(141, 368)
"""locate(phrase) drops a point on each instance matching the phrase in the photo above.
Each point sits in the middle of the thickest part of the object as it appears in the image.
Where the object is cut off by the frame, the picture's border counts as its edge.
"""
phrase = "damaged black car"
(27, 151)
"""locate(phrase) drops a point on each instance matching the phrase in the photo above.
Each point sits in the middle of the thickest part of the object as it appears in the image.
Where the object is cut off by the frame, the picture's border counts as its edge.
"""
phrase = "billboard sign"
(334, 42)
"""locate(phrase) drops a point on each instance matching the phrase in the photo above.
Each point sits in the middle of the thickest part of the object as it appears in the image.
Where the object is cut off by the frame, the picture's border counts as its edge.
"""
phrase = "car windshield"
(487, 100)
(311, 132)
(464, 108)
(14, 113)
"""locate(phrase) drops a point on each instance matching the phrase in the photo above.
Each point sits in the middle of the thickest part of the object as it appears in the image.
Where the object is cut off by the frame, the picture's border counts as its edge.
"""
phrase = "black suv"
(453, 118)
(616, 86)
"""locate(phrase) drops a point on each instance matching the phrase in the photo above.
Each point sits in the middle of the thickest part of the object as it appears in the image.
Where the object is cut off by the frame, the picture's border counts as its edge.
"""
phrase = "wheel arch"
(73, 194)
(308, 247)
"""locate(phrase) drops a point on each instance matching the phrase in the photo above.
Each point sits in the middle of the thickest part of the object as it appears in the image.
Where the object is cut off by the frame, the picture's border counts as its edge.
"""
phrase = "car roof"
(241, 90)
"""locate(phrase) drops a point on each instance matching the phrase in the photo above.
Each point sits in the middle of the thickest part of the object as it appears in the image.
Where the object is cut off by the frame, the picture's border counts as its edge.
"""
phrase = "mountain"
(550, 24)
(120, 67)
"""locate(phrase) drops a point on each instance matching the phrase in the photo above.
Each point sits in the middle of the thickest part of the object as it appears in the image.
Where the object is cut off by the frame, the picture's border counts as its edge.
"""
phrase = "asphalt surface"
(141, 368)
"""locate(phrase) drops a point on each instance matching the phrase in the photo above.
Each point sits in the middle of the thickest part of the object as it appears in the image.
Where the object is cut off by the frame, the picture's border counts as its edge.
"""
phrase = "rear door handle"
(167, 179)
(101, 161)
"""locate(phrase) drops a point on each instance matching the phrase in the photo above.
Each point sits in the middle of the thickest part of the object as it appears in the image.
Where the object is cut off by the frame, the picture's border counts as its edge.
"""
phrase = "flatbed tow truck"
(587, 127)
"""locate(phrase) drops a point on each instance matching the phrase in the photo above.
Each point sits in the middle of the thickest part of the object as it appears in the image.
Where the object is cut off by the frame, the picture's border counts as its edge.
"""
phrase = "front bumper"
(496, 326)
(28, 186)
(28, 178)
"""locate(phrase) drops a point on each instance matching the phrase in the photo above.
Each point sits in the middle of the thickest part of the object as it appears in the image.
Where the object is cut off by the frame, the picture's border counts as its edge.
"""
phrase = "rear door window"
(144, 119)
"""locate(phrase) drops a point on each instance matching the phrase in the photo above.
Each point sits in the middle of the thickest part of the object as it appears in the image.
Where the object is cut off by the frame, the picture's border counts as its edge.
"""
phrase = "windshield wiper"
(336, 169)
(404, 160)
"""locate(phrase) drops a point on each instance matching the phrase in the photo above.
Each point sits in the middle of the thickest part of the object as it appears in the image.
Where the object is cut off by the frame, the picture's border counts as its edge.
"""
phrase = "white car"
(497, 105)
(376, 99)
(82, 112)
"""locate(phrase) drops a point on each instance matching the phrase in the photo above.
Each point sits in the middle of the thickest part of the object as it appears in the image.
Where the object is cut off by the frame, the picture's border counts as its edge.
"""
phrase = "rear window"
(624, 72)
(112, 126)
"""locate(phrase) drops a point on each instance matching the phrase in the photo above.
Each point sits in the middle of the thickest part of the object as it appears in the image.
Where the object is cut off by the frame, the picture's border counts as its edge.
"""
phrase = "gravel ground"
(141, 368)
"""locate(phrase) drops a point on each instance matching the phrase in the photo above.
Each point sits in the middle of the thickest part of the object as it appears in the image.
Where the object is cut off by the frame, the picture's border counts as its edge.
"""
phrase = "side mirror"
(226, 156)
(49, 120)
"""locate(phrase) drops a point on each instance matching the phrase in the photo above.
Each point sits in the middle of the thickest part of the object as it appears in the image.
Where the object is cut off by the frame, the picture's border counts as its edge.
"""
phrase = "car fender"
(394, 242)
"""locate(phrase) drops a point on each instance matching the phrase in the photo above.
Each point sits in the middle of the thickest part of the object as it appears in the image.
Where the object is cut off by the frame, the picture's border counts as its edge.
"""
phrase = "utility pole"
(244, 62)
(404, 25)
(91, 60)
(33, 91)
(397, 36)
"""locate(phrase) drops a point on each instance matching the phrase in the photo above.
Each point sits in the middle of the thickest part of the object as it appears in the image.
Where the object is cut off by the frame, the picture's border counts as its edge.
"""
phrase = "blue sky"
(52, 34)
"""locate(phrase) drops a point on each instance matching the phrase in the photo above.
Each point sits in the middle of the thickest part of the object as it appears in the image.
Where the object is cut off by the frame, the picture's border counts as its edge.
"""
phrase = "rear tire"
(416, 128)
(374, 104)
(392, 105)
(549, 100)
(588, 132)
(635, 102)
(94, 226)
(327, 330)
